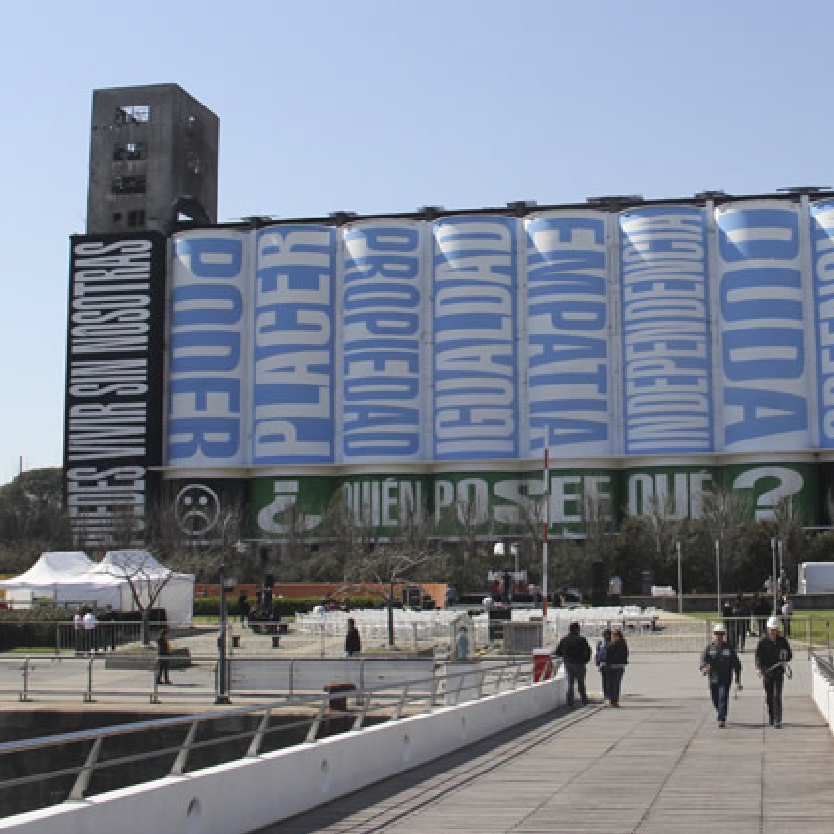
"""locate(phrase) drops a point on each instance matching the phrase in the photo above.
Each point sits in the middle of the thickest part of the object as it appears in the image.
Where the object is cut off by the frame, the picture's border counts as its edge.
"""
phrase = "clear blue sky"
(388, 105)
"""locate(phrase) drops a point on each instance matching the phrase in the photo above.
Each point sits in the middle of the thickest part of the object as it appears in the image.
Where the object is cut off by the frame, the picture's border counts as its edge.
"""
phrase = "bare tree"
(145, 577)
(468, 521)
(725, 514)
(661, 527)
(351, 532)
(391, 563)
(787, 521)
(599, 526)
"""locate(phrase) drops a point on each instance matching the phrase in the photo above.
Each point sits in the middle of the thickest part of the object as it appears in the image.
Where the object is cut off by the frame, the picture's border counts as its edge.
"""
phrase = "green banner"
(461, 504)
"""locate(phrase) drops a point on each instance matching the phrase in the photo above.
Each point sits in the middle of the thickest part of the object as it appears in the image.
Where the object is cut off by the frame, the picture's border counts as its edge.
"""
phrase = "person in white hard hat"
(772, 655)
(719, 660)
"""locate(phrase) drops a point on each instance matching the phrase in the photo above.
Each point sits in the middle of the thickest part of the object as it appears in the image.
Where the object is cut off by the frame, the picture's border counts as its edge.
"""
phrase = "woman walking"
(600, 658)
(616, 659)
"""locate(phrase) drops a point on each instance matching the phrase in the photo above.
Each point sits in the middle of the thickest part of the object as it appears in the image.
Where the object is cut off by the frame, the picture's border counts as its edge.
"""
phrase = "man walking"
(772, 653)
(574, 649)
(719, 660)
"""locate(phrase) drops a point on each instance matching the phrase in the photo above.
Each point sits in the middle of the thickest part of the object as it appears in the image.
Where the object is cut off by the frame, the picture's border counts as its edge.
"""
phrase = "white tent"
(141, 570)
(65, 578)
(72, 578)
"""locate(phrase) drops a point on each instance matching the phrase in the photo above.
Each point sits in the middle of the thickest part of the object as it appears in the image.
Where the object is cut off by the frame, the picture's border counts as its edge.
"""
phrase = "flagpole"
(545, 526)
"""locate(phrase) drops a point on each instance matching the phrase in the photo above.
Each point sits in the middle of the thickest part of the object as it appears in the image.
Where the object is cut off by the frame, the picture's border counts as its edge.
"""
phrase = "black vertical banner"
(113, 411)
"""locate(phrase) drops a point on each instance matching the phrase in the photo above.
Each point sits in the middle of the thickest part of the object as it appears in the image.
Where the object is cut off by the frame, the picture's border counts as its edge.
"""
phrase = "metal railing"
(89, 678)
(826, 666)
(129, 676)
(94, 761)
(805, 630)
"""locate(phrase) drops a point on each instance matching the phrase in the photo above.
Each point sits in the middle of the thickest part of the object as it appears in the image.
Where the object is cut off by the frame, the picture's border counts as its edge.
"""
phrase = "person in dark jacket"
(616, 659)
(719, 660)
(353, 642)
(772, 653)
(243, 609)
(573, 648)
(164, 663)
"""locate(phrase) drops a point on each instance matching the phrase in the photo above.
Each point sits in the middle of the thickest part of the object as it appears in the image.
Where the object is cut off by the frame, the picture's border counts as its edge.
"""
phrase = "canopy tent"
(65, 578)
(140, 569)
(73, 578)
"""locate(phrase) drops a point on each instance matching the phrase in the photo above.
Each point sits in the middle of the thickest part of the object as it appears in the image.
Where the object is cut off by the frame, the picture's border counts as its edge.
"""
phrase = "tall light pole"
(680, 578)
(774, 544)
(222, 694)
(718, 573)
(780, 549)
(222, 691)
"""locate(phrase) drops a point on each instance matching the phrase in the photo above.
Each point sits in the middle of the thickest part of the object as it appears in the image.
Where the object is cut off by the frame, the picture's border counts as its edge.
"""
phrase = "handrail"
(826, 666)
(387, 702)
(91, 686)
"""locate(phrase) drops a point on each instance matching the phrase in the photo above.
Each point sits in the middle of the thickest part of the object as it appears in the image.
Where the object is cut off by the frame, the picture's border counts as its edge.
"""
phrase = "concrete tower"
(153, 159)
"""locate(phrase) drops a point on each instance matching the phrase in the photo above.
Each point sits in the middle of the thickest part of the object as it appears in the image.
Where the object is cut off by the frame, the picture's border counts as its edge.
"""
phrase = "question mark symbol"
(790, 483)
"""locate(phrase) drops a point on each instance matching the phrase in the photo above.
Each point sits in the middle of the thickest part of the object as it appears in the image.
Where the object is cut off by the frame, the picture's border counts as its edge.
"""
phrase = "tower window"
(136, 184)
(130, 151)
(132, 114)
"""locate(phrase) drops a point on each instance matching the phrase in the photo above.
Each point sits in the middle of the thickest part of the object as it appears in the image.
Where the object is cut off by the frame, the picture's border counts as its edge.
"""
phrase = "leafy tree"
(32, 518)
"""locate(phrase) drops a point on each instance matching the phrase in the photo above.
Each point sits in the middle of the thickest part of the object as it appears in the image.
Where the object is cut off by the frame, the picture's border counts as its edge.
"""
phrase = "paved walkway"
(657, 765)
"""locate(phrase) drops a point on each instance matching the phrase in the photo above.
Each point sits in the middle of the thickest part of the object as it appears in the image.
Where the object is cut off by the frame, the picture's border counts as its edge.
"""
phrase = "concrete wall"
(246, 795)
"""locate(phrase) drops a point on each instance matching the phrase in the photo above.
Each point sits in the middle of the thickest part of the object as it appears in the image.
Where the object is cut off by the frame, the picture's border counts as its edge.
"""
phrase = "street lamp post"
(780, 549)
(222, 692)
(680, 578)
(222, 695)
(718, 573)
(774, 545)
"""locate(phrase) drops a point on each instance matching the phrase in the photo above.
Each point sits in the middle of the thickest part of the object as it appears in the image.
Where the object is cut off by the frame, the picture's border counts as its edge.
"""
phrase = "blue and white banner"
(382, 327)
(567, 334)
(475, 408)
(822, 242)
(763, 360)
(666, 357)
(207, 366)
(293, 338)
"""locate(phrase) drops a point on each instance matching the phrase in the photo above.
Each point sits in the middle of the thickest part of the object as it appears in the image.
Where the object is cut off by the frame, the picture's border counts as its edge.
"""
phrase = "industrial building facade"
(428, 360)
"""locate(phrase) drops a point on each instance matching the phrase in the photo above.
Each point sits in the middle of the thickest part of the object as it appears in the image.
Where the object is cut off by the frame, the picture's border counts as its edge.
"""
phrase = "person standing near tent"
(163, 663)
(90, 624)
(772, 656)
(78, 630)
